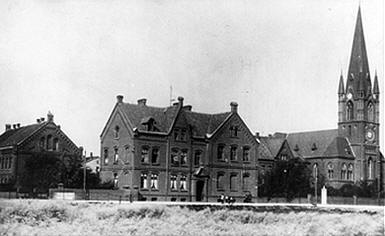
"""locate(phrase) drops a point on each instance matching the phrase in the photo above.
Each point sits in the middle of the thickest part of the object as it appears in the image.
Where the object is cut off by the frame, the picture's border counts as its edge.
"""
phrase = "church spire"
(359, 66)
(341, 89)
(376, 90)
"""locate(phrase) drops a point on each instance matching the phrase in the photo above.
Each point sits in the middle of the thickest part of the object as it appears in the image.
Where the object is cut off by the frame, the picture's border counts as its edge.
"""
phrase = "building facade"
(175, 154)
(19, 143)
(350, 153)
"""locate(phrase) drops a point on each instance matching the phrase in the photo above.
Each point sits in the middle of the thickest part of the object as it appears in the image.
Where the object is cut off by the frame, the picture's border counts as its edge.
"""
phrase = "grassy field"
(29, 217)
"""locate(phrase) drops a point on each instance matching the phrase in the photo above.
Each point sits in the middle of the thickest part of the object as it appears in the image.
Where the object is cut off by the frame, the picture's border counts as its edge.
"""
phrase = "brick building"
(350, 153)
(175, 154)
(18, 143)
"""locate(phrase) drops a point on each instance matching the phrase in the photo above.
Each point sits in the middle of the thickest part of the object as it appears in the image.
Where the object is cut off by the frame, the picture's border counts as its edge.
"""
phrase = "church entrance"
(199, 190)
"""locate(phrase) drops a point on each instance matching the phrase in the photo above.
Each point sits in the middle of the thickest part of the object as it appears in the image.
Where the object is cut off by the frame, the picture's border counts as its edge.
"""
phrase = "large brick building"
(175, 154)
(350, 153)
(18, 143)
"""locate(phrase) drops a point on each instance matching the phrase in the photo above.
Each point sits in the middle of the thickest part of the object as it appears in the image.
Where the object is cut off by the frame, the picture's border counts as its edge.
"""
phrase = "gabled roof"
(339, 147)
(163, 116)
(15, 136)
(312, 143)
(203, 124)
(270, 146)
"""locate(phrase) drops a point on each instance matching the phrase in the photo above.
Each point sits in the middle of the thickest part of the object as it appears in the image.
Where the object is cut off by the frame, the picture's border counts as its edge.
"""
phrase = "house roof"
(200, 123)
(15, 136)
(138, 113)
(270, 146)
(312, 143)
(203, 124)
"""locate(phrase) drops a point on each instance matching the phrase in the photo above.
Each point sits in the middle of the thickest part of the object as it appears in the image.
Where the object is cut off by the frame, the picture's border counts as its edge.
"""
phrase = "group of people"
(230, 200)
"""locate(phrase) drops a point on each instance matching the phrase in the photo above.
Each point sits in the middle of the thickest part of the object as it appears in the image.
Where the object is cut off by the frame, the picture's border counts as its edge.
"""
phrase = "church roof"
(16, 136)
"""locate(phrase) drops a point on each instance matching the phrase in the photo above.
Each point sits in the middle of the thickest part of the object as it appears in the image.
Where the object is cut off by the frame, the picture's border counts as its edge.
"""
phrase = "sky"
(279, 60)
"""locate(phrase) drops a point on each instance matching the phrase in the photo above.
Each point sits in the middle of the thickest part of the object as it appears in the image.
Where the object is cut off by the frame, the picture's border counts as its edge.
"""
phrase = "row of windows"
(345, 174)
(116, 155)
(350, 111)
(233, 181)
(4, 180)
(146, 184)
(145, 155)
(49, 143)
(5, 163)
(233, 153)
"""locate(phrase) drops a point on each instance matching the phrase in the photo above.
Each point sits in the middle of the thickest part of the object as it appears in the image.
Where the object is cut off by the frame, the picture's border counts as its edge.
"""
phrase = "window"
(183, 184)
(370, 168)
(315, 170)
(116, 180)
(233, 153)
(283, 157)
(42, 143)
(9, 162)
(144, 155)
(370, 112)
(127, 154)
(197, 158)
(183, 135)
(174, 157)
(349, 111)
(56, 144)
(234, 131)
(245, 181)
(2, 162)
(330, 170)
(49, 142)
(173, 183)
(350, 130)
(221, 153)
(220, 177)
(155, 156)
(116, 132)
(183, 157)
(116, 155)
(154, 181)
(246, 154)
(233, 182)
(143, 181)
(343, 172)
(350, 172)
(105, 156)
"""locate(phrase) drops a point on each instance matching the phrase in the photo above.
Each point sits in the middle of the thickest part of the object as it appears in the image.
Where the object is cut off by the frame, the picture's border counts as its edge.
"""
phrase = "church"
(350, 153)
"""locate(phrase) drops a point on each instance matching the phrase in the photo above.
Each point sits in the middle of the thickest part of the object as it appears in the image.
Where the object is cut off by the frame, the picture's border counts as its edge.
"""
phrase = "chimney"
(38, 121)
(142, 101)
(257, 135)
(49, 117)
(42, 119)
(58, 126)
(14, 126)
(7, 127)
(180, 99)
(234, 107)
(18, 125)
(119, 98)
(187, 108)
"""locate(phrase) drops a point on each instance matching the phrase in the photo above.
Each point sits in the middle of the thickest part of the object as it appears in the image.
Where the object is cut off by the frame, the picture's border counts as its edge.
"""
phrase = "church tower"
(358, 109)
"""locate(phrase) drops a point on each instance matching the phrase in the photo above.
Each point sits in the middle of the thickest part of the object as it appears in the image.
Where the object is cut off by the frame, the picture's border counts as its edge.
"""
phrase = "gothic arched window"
(343, 172)
(349, 111)
(370, 168)
(350, 172)
(315, 170)
(370, 112)
(330, 170)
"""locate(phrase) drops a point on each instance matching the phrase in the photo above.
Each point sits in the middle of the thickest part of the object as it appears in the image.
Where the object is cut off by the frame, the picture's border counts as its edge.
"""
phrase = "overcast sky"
(280, 60)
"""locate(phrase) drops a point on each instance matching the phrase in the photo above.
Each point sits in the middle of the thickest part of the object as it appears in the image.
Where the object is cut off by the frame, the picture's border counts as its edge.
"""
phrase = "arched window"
(42, 143)
(343, 171)
(145, 155)
(56, 144)
(197, 157)
(116, 155)
(220, 185)
(174, 157)
(315, 170)
(105, 157)
(245, 181)
(116, 132)
(370, 168)
(234, 182)
(330, 170)
(370, 112)
(349, 111)
(350, 172)
(49, 142)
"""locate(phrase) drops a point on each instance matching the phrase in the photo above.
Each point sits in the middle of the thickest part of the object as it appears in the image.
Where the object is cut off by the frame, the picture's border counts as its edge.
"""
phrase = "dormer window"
(314, 147)
(149, 123)
(296, 148)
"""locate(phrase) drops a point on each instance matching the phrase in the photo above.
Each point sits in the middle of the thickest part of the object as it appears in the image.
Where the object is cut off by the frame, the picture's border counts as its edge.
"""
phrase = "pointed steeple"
(359, 66)
(341, 89)
(376, 90)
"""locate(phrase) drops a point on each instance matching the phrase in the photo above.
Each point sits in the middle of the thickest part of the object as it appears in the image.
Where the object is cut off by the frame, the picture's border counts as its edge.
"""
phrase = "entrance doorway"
(199, 190)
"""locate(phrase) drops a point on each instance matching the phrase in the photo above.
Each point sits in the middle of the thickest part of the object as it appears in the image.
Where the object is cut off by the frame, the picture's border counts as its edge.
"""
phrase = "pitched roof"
(312, 143)
(270, 146)
(200, 123)
(163, 116)
(339, 147)
(15, 136)
(203, 124)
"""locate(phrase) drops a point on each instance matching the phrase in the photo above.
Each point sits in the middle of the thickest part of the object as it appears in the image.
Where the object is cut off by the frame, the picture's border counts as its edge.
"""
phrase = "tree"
(288, 179)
